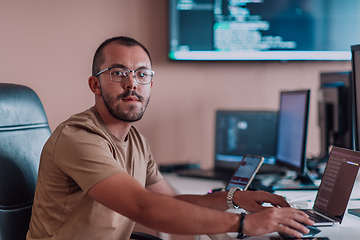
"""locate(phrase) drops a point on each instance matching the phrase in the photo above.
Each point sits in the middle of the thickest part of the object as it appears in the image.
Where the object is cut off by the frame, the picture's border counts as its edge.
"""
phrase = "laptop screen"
(337, 182)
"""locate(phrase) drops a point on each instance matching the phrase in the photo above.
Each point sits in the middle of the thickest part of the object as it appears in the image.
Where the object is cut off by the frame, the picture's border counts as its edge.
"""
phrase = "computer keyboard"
(315, 217)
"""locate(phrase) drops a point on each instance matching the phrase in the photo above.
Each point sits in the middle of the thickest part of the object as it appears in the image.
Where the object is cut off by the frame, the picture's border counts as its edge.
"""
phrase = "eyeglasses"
(119, 75)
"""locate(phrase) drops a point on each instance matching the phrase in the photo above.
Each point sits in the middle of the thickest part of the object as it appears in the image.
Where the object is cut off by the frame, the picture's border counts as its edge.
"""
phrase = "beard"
(127, 115)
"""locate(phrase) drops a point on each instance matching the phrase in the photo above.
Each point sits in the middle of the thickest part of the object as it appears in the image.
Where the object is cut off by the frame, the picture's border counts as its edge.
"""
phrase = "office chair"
(24, 130)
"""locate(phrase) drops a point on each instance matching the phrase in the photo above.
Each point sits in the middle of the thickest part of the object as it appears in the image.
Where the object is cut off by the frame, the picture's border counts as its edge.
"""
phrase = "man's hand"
(283, 220)
(252, 201)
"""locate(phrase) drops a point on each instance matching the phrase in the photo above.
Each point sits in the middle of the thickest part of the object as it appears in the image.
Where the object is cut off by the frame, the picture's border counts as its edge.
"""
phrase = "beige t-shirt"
(80, 153)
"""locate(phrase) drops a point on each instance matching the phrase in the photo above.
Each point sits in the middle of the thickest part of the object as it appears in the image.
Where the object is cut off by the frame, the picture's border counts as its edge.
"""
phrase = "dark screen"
(244, 132)
(263, 29)
(337, 182)
(292, 129)
(356, 79)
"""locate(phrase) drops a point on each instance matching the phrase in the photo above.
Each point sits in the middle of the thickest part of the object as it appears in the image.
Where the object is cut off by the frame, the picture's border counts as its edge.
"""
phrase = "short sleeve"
(153, 173)
(84, 156)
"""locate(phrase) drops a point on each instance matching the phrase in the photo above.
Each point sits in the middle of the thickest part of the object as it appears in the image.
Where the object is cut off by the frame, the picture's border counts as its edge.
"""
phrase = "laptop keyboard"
(315, 217)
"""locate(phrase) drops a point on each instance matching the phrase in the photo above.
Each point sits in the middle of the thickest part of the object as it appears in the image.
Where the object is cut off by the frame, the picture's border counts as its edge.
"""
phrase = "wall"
(48, 46)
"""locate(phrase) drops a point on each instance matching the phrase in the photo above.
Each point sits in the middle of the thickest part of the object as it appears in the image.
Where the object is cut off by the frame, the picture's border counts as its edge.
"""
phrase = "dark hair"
(99, 57)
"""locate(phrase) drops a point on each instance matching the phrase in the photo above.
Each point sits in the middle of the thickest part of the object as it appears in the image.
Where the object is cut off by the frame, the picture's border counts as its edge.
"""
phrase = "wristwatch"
(230, 197)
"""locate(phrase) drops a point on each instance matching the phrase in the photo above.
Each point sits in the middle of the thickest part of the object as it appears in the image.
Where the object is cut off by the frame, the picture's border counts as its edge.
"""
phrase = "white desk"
(349, 229)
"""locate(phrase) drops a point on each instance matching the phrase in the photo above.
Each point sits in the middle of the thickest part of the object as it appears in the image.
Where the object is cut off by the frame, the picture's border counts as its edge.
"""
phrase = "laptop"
(335, 188)
(238, 133)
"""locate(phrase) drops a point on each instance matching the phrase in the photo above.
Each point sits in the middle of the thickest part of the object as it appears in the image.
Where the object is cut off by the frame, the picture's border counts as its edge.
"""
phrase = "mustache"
(129, 93)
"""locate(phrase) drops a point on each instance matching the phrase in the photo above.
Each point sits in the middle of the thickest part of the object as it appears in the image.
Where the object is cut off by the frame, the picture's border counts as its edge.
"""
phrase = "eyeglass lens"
(142, 76)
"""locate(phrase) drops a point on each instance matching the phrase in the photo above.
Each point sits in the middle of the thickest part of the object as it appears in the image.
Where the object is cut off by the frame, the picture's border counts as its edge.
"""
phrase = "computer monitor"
(335, 112)
(248, 30)
(292, 131)
(244, 132)
(355, 60)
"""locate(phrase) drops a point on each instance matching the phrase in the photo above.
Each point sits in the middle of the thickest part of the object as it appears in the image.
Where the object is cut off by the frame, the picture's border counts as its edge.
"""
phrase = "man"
(97, 176)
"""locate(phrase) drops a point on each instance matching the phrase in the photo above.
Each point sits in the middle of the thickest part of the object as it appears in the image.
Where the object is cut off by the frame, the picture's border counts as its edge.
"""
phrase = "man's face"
(128, 100)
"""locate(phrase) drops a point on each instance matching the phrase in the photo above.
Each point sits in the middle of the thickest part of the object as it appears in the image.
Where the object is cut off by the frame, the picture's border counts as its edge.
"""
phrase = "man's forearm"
(251, 201)
(215, 200)
(183, 217)
(164, 213)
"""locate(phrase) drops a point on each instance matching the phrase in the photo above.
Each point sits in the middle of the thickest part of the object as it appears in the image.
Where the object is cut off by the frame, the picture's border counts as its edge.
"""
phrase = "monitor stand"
(300, 182)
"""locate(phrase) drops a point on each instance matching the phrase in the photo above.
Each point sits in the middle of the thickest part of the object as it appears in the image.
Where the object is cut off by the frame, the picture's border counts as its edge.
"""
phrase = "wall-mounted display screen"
(263, 29)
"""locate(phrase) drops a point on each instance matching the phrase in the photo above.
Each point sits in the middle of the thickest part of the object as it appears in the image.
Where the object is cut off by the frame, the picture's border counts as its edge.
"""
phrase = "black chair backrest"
(24, 130)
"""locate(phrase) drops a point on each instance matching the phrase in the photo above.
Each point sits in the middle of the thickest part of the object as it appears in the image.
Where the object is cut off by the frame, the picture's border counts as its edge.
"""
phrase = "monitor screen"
(262, 29)
(292, 129)
(244, 132)
(337, 182)
(356, 80)
(335, 111)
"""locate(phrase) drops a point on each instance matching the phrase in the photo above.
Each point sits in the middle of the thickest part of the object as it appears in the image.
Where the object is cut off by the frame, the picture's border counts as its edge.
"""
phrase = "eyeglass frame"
(130, 71)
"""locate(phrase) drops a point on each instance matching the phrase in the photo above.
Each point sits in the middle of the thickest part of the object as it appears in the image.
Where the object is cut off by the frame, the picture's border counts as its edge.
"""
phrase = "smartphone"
(245, 172)
(354, 211)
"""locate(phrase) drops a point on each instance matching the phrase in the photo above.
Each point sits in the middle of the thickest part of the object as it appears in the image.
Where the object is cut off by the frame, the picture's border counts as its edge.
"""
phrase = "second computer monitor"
(244, 132)
(335, 112)
(355, 50)
(292, 130)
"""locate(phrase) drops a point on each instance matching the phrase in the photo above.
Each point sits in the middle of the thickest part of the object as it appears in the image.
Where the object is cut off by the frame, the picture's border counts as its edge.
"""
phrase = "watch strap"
(230, 197)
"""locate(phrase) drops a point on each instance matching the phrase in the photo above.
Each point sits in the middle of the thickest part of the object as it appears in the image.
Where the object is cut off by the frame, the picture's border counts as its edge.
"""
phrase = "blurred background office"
(49, 45)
